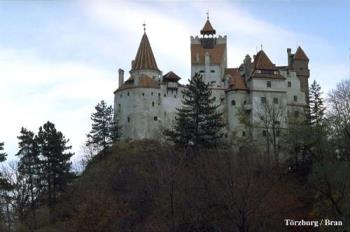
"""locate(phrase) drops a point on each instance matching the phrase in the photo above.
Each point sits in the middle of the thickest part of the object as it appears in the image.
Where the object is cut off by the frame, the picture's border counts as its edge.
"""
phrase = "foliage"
(198, 122)
(105, 129)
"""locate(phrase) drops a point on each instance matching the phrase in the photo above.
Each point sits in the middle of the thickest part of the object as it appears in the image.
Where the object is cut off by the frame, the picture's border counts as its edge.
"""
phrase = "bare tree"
(271, 117)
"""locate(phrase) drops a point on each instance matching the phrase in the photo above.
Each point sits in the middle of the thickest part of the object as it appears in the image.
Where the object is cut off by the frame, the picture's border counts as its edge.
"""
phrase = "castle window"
(296, 114)
(164, 95)
(295, 98)
(175, 96)
(212, 71)
(264, 133)
(243, 133)
(152, 103)
(128, 119)
(268, 84)
(233, 102)
(275, 100)
(263, 99)
(289, 84)
(301, 69)
(143, 94)
(128, 94)
(158, 94)
(119, 105)
(244, 102)
(155, 118)
(201, 71)
(222, 100)
(151, 93)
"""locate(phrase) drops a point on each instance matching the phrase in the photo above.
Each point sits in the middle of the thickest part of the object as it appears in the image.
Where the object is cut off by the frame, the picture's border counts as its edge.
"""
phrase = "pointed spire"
(208, 28)
(144, 58)
(262, 61)
(300, 54)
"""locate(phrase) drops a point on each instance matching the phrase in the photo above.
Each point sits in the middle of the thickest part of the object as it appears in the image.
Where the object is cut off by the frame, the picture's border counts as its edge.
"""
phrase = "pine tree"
(105, 129)
(29, 169)
(197, 123)
(2, 154)
(316, 110)
(53, 149)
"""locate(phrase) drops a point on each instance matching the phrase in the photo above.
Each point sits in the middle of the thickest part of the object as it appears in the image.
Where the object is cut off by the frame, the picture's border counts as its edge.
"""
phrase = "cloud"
(33, 91)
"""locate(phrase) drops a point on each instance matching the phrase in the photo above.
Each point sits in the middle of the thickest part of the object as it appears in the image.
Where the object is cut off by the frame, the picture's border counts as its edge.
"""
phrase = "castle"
(146, 102)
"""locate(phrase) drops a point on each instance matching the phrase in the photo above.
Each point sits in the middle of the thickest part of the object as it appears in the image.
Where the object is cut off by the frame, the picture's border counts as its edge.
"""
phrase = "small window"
(158, 94)
(164, 95)
(119, 105)
(128, 94)
(268, 84)
(152, 103)
(289, 84)
(295, 98)
(264, 133)
(201, 71)
(243, 133)
(175, 96)
(263, 99)
(275, 100)
(244, 102)
(143, 94)
(233, 102)
(151, 93)
(212, 71)
(222, 100)
(155, 118)
(296, 114)
(128, 119)
(301, 69)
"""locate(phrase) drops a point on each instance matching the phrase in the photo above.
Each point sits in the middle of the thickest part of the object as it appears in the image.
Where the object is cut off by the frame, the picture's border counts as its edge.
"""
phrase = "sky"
(58, 59)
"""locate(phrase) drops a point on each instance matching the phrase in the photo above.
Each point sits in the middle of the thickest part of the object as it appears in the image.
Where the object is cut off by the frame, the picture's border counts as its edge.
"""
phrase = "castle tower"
(208, 55)
(299, 62)
(144, 62)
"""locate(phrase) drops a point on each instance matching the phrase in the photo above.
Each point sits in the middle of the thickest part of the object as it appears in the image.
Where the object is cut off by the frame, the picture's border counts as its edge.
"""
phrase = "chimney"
(290, 56)
(247, 65)
(121, 76)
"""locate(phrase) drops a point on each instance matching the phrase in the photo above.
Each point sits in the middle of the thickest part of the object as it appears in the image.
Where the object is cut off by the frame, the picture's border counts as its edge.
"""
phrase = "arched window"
(233, 102)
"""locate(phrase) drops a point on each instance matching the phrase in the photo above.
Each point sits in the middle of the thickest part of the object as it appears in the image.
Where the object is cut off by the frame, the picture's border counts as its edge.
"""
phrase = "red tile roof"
(216, 53)
(144, 58)
(208, 28)
(262, 61)
(171, 77)
(300, 54)
(144, 82)
(236, 81)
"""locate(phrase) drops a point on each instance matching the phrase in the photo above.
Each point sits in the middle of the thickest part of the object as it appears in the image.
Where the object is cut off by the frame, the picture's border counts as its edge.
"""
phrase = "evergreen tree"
(197, 123)
(105, 129)
(29, 169)
(55, 158)
(316, 110)
(2, 153)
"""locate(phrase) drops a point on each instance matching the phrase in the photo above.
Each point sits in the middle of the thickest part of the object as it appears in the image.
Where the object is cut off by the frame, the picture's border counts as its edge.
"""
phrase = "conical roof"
(300, 54)
(262, 61)
(208, 28)
(144, 58)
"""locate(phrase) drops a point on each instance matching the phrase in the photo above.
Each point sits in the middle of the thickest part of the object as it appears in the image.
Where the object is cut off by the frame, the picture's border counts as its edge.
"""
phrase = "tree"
(271, 118)
(52, 146)
(2, 154)
(198, 122)
(29, 169)
(105, 129)
(316, 105)
(339, 115)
